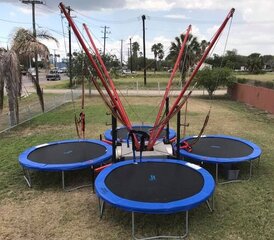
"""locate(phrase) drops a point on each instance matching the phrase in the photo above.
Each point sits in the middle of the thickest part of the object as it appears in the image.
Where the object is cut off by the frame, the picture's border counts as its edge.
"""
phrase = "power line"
(16, 22)
(112, 21)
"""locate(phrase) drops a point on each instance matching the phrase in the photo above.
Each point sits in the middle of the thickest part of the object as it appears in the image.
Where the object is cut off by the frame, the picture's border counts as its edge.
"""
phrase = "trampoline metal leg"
(159, 237)
(216, 173)
(250, 170)
(210, 204)
(240, 180)
(101, 207)
(27, 177)
(63, 180)
(69, 189)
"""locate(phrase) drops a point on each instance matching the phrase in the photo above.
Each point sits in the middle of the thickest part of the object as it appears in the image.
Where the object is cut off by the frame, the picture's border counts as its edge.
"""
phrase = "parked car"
(53, 71)
(62, 70)
(127, 71)
(53, 77)
(32, 71)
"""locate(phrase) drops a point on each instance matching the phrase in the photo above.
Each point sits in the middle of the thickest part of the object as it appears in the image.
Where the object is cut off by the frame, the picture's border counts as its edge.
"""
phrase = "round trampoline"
(64, 156)
(122, 132)
(154, 186)
(220, 149)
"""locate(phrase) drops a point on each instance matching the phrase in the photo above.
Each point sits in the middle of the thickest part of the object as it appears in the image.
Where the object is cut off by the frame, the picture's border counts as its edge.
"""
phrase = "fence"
(34, 109)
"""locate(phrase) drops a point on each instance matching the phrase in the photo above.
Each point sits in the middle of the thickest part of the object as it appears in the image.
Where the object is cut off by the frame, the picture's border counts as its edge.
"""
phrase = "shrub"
(211, 79)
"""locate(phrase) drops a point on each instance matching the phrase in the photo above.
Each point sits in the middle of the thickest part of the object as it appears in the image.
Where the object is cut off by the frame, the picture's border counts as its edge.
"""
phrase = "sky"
(251, 29)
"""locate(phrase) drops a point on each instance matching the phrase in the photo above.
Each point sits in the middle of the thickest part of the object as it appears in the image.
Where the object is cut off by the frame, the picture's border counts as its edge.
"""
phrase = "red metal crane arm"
(175, 69)
(98, 71)
(175, 104)
(123, 112)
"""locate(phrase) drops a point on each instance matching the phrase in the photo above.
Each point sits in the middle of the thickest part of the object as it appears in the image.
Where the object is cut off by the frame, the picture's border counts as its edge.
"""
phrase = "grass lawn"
(266, 77)
(243, 210)
(154, 81)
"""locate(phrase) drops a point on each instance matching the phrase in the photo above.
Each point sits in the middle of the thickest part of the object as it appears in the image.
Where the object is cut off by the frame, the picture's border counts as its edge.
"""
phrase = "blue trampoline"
(122, 132)
(220, 149)
(64, 156)
(154, 186)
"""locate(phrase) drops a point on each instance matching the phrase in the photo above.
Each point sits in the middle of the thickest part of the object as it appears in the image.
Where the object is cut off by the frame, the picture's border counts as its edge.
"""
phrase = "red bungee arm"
(175, 104)
(175, 69)
(123, 112)
(99, 73)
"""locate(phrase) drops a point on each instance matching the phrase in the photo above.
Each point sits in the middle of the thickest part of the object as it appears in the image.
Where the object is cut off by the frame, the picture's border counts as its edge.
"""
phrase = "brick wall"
(259, 97)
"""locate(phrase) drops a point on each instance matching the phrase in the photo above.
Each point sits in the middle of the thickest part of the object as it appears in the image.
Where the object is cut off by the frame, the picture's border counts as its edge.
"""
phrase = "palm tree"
(27, 46)
(255, 63)
(192, 53)
(135, 49)
(157, 49)
(10, 75)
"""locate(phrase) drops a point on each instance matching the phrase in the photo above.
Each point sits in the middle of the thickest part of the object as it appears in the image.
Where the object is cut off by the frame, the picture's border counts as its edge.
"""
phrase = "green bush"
(269, 84)
(211, 79)
(242, 80)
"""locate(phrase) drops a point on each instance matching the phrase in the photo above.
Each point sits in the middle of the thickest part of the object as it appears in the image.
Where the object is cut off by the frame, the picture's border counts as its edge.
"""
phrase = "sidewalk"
(132, 92)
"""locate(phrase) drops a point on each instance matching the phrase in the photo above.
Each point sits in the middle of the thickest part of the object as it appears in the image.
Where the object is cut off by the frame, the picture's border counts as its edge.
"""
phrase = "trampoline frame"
(256, 154)
(209, 200)
(28, 164)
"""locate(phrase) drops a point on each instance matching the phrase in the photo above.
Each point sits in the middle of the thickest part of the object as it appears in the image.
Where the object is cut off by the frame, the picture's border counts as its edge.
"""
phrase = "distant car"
(32, 71)
(53, 71)
(127, 71)
(53, 77)
(62, 70)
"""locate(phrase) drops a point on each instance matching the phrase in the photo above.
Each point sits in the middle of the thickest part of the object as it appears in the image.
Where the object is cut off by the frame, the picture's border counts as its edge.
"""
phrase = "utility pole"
(122, 53)
(105, 37)
(70, 65)
(130, 51)
(33, 3)
(144, 49)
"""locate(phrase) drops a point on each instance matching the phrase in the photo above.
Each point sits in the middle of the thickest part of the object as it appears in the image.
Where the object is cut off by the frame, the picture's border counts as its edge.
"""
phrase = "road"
(29, 88)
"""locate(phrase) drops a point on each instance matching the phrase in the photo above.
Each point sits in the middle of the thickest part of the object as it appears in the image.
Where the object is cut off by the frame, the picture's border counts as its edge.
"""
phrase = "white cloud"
(25, 10)
(175, 16)
(12, 14)
(150, 5)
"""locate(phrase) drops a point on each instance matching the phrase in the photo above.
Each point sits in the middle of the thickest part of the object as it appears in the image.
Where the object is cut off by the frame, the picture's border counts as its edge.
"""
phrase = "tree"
(231, 59)
(212, 79)
(158, 51)
(11, 77)
(192, 52)
(135, 49)
(268, 61)
(79, 59)
(26, 46)
(255, 63)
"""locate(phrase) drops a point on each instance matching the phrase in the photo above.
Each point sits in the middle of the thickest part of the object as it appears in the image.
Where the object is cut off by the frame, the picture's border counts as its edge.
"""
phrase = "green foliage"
(255, 63)
(191, 54)
(212, 79)
(269, 84)
(230, 60)
(242, 80)
(80, 63)
(158, 52)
